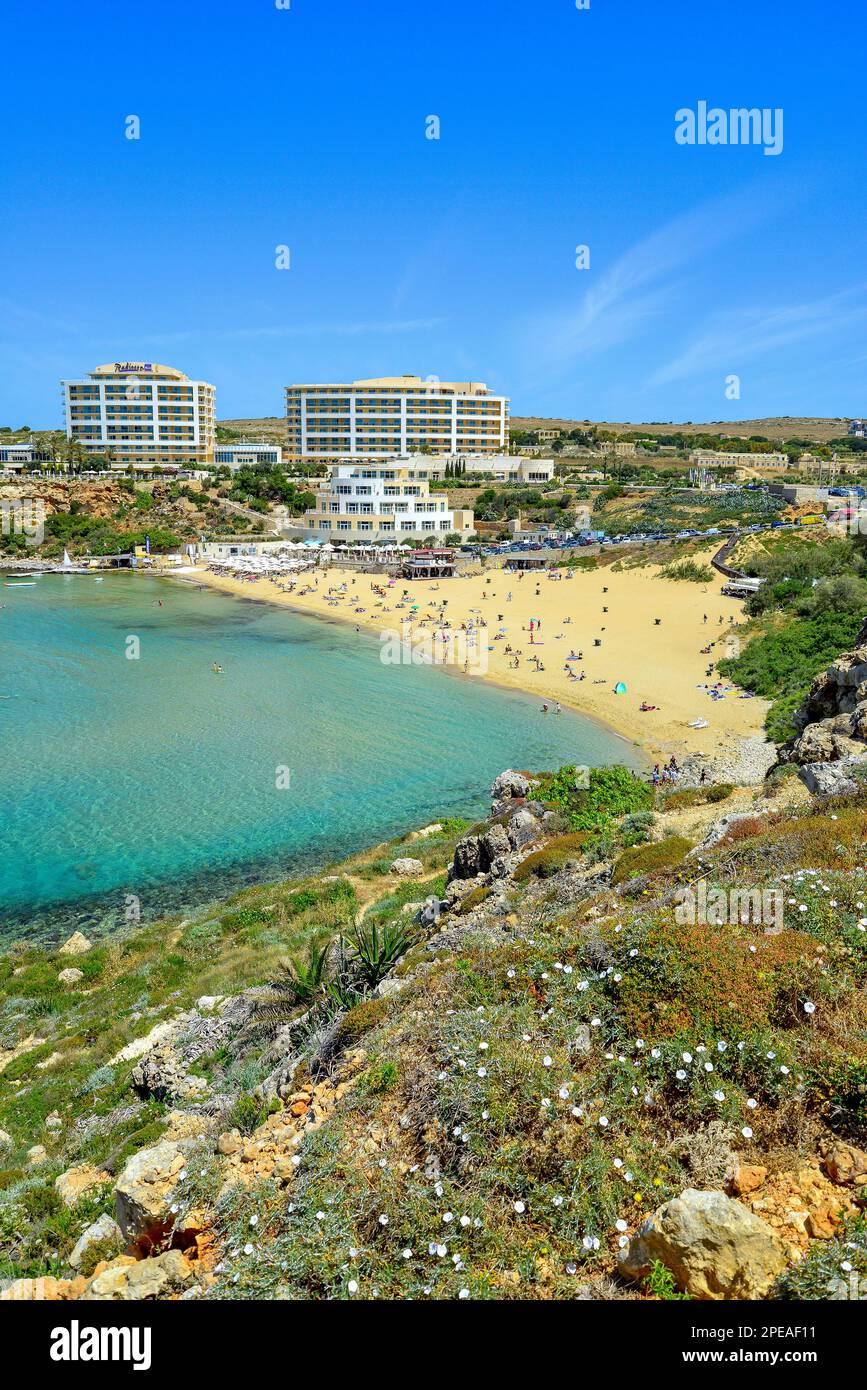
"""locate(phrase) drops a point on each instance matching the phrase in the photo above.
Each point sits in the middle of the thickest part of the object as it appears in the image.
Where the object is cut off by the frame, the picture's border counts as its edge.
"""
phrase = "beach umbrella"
(620, 688)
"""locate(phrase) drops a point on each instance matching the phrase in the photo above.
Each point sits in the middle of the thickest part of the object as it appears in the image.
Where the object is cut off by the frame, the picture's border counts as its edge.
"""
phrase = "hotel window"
(344, 526)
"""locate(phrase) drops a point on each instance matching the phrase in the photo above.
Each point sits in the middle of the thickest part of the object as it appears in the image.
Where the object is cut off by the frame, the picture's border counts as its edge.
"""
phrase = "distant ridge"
(778, 427)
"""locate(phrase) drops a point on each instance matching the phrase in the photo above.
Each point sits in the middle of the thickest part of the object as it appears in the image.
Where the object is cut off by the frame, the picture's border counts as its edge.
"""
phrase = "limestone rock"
(75, 946)
(75, 1182)
(523, 828)
(144, 1189)
(70, 976)
(104, 1228)
(5, 1141)
(493, 843)
(37, 1154)
(407, 868)
(832, 778)
(124, 1279)
(161, 1073)
(714, 1247)
(508, 785)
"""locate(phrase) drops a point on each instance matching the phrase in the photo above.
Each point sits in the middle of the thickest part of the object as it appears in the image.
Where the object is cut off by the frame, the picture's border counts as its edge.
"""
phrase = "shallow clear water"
(157, 778)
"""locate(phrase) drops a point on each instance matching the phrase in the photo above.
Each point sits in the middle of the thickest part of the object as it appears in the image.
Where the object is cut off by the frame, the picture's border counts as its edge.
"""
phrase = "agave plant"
(375, 949)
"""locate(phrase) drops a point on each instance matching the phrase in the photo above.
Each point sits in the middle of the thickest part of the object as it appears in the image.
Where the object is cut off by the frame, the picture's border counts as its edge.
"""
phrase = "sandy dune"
(660, 663)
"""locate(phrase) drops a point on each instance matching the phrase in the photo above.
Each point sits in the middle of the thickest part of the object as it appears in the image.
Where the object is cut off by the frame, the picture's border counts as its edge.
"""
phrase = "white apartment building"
(236, 456)
(143, 414)
(393, 415)
(391, 500)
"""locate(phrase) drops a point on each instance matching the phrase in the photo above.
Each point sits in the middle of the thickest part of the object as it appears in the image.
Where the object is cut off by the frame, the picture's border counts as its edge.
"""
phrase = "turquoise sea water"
(156, 777)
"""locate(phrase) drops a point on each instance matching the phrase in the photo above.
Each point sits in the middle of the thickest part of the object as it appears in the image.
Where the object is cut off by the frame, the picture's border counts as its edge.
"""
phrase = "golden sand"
(661, 663)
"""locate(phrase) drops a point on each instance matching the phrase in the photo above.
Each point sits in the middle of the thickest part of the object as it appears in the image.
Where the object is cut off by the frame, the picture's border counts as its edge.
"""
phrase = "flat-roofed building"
(719, 458)
(236, 456)
(500, 467)
(141, 414)
(385, 416)
(383, 500)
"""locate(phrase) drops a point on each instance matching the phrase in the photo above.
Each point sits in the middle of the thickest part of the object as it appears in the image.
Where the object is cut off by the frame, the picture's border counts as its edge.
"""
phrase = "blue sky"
(455, 257)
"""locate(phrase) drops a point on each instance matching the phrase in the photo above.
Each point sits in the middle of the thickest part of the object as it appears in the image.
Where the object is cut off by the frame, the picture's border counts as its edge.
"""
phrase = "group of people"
(669, 772)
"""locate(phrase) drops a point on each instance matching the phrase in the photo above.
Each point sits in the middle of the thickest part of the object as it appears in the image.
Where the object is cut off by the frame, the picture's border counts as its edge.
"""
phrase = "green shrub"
(720, 791)
(611, 792)
(542, 863)
(660, 1283)
(361, 1019)
(107, 1249)
(650, 859)
(249, 1112)
(635, 829)
(473, 899)
(688, 570)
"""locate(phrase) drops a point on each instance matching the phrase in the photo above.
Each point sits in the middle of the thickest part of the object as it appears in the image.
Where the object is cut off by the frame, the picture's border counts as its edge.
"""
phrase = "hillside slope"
(483, 1099)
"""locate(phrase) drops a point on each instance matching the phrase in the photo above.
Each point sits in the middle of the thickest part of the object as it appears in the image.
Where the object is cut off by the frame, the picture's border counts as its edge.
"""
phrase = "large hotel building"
(390, 416)
(142, 414)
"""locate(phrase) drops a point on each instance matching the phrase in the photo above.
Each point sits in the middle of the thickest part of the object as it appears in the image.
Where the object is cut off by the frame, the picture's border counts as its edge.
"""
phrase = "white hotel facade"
(384, 501)
(394, 415)
(142, 414)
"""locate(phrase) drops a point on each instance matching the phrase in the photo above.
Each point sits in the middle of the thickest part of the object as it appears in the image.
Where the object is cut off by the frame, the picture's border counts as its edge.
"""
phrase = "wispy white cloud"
(642, 284)
(731, 338)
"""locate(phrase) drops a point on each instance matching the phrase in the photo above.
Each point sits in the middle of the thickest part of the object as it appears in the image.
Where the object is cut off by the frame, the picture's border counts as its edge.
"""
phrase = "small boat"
(27, 584)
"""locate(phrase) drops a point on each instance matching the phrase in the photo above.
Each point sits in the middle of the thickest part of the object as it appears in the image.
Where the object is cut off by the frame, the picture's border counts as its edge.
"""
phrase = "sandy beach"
(661, 663)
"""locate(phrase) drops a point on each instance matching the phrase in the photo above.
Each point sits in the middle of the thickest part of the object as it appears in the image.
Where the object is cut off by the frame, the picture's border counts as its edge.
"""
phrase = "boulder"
(832, 778)
(75, 1182)
(714, 1247)
(70, 976)
(746, 1178)
(162, 1075)
(844, 1163)
(143, 1192)
(858, 719)
(467, 859)
(815, 745)
(125, 1279)
(850, 669)
(105, 1228)
(75, 946)
(494, 842)
(523, 828)
(6, 1141)
(407, 868)
(37, 1154)
(509, 785)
